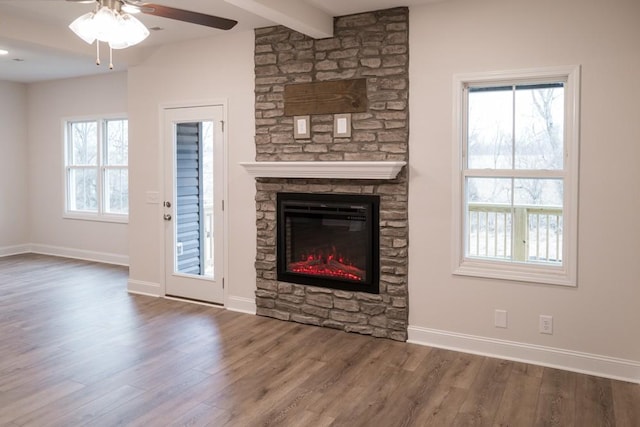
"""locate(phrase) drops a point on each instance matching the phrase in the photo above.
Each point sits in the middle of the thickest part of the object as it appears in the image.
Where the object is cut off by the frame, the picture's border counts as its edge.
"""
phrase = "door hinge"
(222, 124)
(223, 283)
(223, 205)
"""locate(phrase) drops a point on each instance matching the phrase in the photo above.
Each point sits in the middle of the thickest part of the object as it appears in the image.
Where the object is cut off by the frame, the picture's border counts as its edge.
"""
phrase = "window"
(516, 175)
(97, 169)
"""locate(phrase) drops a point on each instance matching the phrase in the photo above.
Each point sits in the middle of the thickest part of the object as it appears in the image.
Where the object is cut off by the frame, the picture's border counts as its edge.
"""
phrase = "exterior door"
(193, 206)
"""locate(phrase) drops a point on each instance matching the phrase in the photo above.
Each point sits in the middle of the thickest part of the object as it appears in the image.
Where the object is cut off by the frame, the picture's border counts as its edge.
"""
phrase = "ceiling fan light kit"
(82, 27)
(112, 23)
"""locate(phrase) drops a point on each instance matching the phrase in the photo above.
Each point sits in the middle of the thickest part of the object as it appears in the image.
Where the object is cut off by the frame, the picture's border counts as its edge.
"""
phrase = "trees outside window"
(97, 169)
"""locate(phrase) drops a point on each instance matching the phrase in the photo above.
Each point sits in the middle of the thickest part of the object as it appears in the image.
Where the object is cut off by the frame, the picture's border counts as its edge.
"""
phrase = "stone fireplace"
(373, 46)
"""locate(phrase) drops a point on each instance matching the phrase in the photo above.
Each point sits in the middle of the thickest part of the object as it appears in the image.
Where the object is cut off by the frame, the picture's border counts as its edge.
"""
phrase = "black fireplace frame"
(370, 204)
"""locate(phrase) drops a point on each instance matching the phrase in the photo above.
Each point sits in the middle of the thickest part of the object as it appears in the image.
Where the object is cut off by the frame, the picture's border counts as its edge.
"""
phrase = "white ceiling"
(41, 47)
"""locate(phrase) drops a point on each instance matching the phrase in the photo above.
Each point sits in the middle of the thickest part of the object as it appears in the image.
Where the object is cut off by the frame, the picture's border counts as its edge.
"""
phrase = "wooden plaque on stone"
(329, 97)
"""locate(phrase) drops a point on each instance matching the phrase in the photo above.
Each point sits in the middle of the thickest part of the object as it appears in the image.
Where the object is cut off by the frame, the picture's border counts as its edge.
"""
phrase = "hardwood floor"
(76, 349)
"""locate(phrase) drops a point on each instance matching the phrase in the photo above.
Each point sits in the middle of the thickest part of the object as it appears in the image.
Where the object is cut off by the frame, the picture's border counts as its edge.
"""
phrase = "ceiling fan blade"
(188, 16)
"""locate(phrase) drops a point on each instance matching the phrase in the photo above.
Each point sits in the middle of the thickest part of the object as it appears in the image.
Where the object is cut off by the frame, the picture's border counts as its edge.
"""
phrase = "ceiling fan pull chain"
(110, 58)
(97, 52)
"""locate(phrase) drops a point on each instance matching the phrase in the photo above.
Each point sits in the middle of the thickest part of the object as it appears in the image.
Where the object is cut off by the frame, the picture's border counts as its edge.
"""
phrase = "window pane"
(545, 235)
(539, 127)
(83, 142)
(83, 189)
(489, 231)
(540, 201)
(208, 195)
(489, 218)
(207, 162)
(538, 192)
(489, 130)
(117, 191)
(528, 231)
(117, 143)
(489, 190)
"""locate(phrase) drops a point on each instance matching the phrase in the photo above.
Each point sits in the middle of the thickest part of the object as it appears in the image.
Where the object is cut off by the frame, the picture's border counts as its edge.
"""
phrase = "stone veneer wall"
(373, 46)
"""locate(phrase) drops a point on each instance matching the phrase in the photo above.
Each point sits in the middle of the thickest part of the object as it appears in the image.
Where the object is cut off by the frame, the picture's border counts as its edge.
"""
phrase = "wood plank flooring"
(77, 350)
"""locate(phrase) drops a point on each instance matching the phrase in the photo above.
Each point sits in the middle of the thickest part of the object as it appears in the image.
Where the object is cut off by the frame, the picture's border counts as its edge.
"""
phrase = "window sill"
(117, 219)
(547, 275)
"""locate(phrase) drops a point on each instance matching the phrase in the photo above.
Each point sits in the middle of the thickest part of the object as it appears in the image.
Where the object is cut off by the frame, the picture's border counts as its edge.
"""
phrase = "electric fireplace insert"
(329, 240)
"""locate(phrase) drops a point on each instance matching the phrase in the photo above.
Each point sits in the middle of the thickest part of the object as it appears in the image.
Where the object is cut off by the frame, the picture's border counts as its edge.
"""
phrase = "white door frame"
(223, 102)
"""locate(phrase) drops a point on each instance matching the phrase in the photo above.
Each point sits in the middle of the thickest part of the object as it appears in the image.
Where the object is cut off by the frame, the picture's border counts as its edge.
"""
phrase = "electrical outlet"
(546, 324)
(500, 318)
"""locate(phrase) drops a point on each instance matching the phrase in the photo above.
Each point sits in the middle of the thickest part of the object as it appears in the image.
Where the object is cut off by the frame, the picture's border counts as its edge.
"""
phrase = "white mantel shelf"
(341, 170)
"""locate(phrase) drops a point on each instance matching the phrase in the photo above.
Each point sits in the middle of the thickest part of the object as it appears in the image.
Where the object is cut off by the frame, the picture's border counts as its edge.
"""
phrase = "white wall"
(48, 104)
(14, 187)
(215, 68)
(596, 323)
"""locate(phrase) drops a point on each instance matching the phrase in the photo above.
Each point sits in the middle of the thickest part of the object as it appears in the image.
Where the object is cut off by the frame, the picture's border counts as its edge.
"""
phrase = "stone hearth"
(373, 46)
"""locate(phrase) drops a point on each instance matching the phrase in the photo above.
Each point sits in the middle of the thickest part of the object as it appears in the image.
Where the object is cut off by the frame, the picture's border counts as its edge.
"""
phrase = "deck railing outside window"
(536, 231)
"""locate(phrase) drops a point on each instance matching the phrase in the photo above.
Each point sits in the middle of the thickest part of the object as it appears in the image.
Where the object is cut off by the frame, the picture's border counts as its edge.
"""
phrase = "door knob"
(167, 217)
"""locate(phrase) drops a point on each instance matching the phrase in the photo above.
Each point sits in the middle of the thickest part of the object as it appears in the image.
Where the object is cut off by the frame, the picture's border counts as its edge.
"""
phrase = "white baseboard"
(241, 304)
(238, 304)
(144, 288)
(586, 363)
(103, 257)
(14, 250)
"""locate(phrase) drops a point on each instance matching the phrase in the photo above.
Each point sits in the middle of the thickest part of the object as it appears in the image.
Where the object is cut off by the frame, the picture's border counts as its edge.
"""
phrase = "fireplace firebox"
(329, 240)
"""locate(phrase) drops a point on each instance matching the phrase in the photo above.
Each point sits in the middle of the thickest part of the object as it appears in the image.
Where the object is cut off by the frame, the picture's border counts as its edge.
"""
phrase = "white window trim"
(566, 274)
(85, 215)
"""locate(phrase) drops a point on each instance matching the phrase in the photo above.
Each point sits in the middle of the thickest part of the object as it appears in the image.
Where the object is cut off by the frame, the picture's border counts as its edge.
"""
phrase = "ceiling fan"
(112, 22)
(134, 6)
